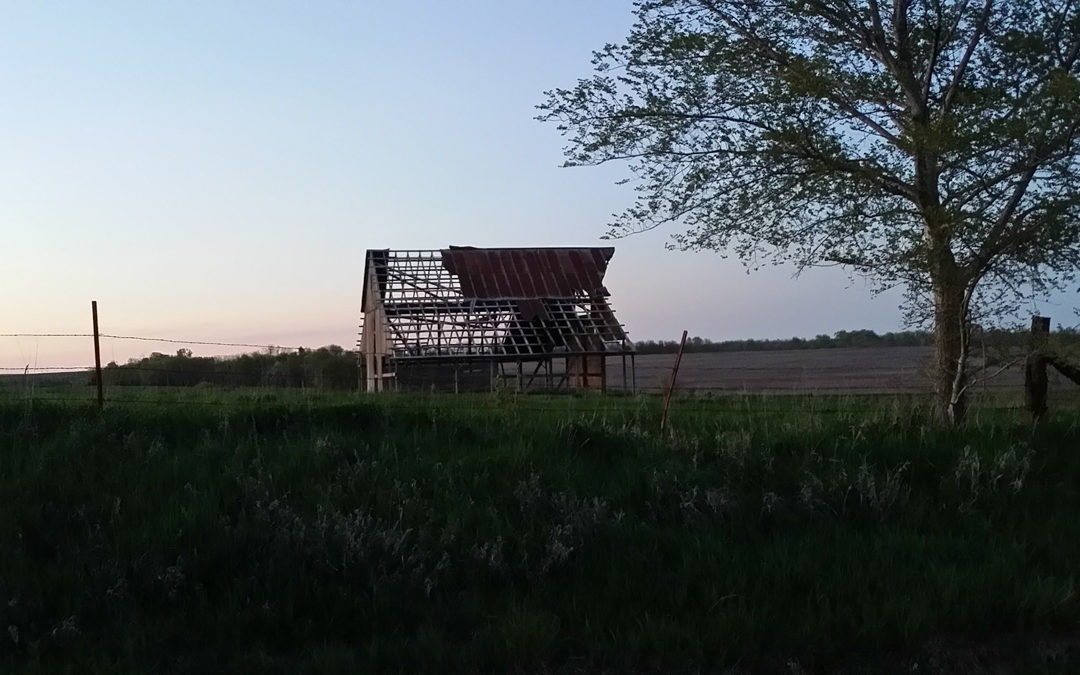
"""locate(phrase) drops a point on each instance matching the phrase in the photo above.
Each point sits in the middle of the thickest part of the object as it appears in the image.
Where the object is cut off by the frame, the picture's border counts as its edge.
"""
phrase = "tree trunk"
(951, 350)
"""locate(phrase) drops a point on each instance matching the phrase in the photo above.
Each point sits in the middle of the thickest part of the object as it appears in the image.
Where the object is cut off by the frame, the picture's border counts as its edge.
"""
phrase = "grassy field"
(184, 531)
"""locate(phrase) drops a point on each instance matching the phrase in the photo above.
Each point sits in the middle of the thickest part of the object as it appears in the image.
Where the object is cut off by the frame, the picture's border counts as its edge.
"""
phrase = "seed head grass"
(262, 531)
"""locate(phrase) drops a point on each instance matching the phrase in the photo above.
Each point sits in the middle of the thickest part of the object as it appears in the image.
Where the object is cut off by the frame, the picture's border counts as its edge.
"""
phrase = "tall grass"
(259, 532)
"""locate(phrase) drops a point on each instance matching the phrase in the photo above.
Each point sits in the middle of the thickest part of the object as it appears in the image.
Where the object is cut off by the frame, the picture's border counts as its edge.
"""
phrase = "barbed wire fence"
(698, 383)
(96, 374)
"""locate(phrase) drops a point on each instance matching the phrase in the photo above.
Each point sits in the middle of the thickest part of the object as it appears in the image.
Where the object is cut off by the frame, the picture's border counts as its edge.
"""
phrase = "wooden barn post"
(1036, 382)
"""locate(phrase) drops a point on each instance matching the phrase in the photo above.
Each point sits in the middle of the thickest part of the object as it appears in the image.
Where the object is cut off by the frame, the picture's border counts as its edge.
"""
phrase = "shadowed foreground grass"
(217, 531)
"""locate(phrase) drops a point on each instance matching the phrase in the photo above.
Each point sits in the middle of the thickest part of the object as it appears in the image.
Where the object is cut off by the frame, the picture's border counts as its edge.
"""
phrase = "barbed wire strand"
(731, 388)
(436, 407)
(48, 335)
(142, 338)
(69, 369)
(200, 342)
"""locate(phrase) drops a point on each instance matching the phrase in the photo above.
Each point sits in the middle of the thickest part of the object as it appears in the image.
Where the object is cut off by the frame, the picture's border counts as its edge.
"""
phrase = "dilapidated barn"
(474, 318)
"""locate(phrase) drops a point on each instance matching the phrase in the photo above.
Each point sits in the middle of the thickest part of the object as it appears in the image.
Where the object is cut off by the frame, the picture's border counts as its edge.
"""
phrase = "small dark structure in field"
(472, 318)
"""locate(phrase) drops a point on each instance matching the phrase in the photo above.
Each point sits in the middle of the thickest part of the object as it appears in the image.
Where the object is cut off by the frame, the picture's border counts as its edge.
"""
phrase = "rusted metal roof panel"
(528, 272)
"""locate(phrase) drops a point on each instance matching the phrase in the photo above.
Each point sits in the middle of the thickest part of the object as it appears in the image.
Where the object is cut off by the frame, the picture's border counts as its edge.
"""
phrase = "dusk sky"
(215, 171)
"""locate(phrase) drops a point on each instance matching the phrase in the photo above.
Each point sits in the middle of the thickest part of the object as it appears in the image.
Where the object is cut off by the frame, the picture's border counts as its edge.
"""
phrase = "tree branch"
(991, 247)
(969, 50)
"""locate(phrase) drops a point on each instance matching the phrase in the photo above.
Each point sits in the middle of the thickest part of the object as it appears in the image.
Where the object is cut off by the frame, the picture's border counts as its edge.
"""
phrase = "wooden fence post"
(1036, 382)
(671, 385)
(97, 356)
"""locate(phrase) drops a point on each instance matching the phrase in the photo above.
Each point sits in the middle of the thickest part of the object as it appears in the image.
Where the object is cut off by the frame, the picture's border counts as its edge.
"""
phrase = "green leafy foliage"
(933, 144)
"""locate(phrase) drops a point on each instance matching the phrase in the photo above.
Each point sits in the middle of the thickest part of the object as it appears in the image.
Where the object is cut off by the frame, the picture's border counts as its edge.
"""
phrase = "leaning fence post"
(97, 356)
(1036, 382)
(671, 385)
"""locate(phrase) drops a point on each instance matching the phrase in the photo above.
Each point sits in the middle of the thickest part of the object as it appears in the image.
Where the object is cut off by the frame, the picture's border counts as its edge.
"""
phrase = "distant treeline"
(992, 338)
(329, 367)
(844, 338)
(332, 367)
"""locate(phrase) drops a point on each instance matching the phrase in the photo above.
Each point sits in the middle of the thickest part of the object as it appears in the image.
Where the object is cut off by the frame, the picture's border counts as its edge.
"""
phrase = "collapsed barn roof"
(490, 302)
(528, 272)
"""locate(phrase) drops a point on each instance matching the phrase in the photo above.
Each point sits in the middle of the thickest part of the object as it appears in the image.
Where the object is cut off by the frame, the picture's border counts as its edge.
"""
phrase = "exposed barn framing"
(531, 318)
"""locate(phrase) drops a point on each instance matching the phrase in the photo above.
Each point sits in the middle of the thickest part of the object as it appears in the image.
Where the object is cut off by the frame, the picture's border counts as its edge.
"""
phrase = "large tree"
(932, 144)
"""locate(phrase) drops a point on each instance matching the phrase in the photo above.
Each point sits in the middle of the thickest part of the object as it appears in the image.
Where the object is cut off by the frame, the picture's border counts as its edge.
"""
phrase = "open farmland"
(863, 370)
(844, 370)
